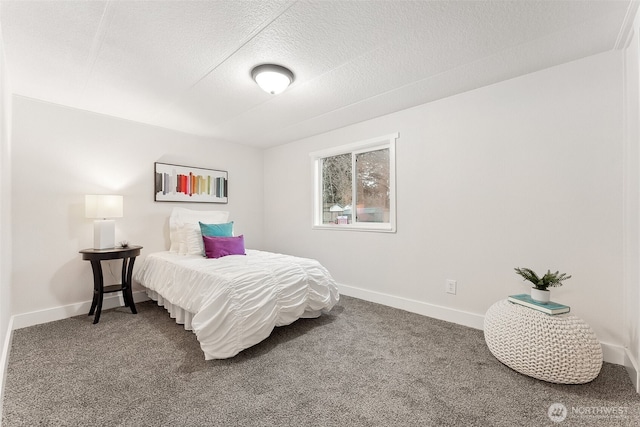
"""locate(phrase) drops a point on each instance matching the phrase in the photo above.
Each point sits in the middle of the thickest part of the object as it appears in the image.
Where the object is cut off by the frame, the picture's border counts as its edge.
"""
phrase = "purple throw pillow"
(217, 247)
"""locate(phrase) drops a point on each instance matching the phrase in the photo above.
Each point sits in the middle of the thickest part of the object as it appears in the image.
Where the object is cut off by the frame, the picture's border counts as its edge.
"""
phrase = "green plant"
(548, 280)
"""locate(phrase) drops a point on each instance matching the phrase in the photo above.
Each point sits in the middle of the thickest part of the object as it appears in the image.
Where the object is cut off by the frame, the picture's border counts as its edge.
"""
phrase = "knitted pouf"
(559, 349)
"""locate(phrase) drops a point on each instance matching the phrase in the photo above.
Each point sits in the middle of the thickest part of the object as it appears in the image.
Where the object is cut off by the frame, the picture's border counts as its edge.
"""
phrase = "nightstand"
(95, 256)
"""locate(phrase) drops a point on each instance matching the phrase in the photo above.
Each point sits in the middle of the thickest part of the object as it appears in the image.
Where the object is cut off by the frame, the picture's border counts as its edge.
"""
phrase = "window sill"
(378, 228)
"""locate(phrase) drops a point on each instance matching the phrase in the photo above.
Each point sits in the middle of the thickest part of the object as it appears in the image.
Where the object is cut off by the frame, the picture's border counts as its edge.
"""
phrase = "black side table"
(128, 256)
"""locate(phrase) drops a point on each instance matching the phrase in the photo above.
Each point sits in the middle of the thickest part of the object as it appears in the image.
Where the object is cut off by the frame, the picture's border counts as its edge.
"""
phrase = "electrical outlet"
(451, 287)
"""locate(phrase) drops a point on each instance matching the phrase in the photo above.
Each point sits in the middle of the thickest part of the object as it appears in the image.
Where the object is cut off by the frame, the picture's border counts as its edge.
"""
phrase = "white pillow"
(194, 245)
(173, 234)
(184, 230)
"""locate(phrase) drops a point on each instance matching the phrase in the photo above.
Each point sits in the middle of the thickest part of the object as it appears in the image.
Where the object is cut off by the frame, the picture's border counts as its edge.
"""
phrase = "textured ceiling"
(185, 65)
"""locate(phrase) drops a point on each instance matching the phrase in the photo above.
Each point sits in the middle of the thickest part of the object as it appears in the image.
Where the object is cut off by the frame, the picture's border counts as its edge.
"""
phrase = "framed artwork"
(175, 183)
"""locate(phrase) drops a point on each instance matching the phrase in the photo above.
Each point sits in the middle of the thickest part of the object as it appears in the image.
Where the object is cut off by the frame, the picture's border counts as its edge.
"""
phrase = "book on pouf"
(549, 308)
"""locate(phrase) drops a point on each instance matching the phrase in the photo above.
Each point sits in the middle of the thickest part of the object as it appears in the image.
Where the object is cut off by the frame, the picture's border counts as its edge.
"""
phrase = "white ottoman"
(559, 349)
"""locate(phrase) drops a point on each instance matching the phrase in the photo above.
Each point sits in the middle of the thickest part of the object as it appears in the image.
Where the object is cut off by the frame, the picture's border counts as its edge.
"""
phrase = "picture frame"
(178, 183)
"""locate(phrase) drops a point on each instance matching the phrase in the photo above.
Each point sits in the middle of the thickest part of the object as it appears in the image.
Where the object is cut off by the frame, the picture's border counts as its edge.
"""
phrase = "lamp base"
(104, 234)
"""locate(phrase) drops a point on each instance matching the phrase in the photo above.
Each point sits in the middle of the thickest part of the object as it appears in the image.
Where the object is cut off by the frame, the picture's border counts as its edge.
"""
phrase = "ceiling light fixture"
(273, 79)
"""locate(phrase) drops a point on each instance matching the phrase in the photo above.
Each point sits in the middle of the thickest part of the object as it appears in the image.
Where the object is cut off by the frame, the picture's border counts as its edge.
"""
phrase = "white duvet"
(235, 301)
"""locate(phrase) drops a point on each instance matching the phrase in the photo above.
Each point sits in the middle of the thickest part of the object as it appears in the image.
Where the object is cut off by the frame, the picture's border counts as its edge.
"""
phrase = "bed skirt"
(182, 316)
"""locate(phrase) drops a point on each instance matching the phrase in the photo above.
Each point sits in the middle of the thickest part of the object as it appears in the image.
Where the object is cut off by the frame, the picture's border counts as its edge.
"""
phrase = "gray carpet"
(363, 364)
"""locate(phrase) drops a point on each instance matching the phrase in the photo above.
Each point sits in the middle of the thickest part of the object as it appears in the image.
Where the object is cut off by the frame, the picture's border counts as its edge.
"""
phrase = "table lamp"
(103, 207)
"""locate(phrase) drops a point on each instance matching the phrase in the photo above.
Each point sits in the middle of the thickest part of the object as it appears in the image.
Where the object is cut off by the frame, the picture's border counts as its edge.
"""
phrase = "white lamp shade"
(273, 83)
(103, 206)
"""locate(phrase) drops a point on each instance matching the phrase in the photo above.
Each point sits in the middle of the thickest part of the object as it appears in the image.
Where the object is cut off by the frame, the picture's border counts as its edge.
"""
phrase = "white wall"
(61, 154)
(632, 203)
(5, 219)
(527, 172)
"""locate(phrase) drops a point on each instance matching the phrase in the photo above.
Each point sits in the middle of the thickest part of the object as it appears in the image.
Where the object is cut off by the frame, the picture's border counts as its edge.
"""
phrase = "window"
(354, 186)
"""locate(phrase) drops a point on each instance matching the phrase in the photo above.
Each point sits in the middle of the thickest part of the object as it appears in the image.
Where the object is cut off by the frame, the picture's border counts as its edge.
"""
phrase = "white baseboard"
(64, 312)
(448, 314)
(611, 353)
(632, 368)
(4, 361)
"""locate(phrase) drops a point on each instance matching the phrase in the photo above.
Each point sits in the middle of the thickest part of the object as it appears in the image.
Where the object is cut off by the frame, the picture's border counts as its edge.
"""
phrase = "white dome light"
(273, 79)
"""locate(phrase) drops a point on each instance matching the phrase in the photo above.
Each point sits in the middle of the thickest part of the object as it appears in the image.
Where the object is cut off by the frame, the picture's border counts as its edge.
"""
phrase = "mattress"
(234, 302)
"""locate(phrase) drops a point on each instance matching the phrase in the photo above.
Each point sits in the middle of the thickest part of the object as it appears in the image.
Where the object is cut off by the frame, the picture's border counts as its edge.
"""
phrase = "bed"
(234, 301)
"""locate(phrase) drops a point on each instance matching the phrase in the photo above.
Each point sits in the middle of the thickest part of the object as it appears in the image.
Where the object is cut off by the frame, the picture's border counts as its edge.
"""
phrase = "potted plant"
(539, 291)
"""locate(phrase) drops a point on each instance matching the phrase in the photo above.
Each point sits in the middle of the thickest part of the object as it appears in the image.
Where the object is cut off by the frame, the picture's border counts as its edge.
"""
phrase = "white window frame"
(373, 144)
